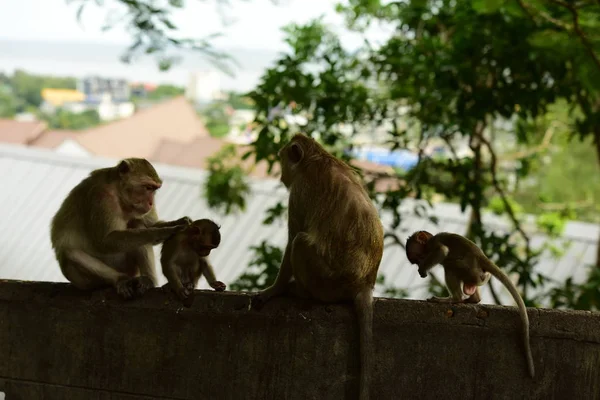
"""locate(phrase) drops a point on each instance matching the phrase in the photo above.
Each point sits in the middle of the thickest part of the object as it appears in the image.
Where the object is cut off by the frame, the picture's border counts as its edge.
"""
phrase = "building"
(203, 87)
(35, 181)
(53, 99)
(94, 87)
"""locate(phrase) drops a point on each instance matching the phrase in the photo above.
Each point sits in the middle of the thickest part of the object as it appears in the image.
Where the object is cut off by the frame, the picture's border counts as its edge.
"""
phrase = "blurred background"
(480, 118)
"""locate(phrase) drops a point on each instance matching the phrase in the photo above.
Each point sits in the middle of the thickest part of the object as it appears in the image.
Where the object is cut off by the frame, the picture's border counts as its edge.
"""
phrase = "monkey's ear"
(422, 237)
(295, 153)
(123, 167)
(193, 230)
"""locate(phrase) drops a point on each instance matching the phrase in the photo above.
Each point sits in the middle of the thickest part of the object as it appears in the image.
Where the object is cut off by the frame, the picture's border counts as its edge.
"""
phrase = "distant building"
(204, 87)
(95, 87)
(52, 99)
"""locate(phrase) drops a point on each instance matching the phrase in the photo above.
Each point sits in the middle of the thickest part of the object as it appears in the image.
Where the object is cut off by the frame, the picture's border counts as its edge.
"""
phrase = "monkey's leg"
(143, 258)
(454, 286)
(86, 272)
(313, 276)
(474, 298)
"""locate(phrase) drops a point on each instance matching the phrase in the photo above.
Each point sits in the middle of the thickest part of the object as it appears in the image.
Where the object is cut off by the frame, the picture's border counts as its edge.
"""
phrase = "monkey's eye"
(150, 188)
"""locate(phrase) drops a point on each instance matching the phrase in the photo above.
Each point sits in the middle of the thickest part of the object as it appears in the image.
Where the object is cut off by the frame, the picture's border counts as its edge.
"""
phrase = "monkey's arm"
(131, 239)
(283, 277)
(151, 221)
(436, 252)
(209, 274)
(165, 224)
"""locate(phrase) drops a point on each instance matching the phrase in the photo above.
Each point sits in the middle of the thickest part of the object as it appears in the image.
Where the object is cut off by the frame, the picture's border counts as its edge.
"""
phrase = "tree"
(458, 67)
(29, 87)
(63, 119)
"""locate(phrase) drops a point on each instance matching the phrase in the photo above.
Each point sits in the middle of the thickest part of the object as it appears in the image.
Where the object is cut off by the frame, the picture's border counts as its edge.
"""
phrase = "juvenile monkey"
(103, 232)
(466, 268)
(184, 258)
(335, 238)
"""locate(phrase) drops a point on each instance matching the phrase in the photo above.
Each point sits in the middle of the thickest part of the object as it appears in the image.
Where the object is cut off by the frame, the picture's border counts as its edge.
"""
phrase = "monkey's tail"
(502, 277)
(363, 302)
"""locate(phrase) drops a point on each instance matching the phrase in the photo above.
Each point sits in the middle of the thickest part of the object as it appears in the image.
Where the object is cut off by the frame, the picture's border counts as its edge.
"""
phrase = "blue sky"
(255, 24)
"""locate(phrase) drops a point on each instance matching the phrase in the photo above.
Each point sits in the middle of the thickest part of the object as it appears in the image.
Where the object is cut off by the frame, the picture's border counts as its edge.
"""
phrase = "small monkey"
(104, 230)
(184, 258)
(335, 238)
(466, 268)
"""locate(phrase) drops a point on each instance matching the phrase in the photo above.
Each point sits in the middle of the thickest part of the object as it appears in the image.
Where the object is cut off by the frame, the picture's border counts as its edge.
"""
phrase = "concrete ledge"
(59, 343)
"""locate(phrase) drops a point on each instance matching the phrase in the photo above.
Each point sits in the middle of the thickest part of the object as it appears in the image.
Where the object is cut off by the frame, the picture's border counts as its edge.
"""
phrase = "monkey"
(335, 238)
(466, 268)
(103, 232)
(184, 258)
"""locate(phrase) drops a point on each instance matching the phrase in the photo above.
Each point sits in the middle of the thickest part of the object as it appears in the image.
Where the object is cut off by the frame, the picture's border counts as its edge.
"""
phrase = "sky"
(253, 24)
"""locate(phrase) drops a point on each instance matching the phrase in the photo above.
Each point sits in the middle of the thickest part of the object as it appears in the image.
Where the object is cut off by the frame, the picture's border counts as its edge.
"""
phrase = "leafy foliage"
(227, 187)
(63, 119)
(152, 31)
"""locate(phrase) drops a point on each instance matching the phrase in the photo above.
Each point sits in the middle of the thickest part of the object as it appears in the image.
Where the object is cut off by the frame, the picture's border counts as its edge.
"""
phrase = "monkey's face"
(203, 236)
(291, 155)
(415, 246)
(139, 183)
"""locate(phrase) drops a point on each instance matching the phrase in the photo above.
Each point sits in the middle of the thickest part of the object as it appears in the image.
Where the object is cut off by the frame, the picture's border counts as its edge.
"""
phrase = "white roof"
(35, 181)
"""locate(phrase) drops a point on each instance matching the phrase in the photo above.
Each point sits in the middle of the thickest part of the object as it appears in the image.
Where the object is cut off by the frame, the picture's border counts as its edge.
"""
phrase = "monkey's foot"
(259, 299)
(449, 299)
(182, 293)
(142, 284)
(126, 288)
(189, 286)
(218, 286)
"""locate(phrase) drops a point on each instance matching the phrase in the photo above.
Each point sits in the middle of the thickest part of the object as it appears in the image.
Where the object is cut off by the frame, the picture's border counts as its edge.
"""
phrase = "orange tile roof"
(195, 154)
(22, 132)
(51, 139)
(140, 134)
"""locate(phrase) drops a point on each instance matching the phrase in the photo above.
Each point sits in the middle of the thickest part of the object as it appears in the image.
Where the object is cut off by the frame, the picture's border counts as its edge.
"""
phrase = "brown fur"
(466, 268)
(335, 237)
(104, 230)
(184, 259)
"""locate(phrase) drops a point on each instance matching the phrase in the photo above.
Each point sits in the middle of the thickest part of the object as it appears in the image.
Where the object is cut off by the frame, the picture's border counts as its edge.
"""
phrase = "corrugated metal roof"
(35, 181)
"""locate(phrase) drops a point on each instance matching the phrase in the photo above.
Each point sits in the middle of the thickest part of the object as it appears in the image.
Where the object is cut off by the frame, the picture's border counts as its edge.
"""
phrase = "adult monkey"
(335, 237)
(104, 230)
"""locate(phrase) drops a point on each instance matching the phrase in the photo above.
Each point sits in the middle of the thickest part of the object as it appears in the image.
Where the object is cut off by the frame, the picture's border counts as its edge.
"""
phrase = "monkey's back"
(341, 219)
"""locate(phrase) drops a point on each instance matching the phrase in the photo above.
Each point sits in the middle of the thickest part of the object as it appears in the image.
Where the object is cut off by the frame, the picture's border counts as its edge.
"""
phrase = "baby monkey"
(466, 268)
(184, 258)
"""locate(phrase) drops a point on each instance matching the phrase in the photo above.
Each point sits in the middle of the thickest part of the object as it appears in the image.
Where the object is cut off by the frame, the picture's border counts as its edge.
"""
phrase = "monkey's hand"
(143, 283)
(183, 221)
(189, 286)
(165, 233)
(218, 286)
(182, 292)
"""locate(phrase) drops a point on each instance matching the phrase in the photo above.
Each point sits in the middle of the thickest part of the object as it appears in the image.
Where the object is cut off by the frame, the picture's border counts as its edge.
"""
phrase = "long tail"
(363, 302)
(502, 277)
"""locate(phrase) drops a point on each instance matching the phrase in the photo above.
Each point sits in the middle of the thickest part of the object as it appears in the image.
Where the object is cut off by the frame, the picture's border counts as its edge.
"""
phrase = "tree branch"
(496, 184)
(578, 31)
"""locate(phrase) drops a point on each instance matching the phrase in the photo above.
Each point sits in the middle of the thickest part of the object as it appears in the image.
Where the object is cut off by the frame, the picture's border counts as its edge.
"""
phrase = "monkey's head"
(295, 153)
(138, 182)
(415, 246)
(203, 235)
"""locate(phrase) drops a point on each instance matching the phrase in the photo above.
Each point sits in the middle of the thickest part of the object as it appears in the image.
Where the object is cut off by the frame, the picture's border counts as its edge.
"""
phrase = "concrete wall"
(58, 343)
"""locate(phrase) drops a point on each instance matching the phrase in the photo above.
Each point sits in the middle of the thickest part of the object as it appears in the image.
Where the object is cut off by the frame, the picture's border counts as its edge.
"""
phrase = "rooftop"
(139, 135)
(22, 132)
